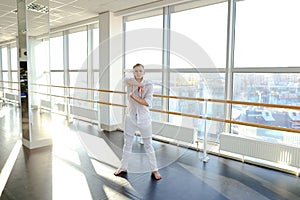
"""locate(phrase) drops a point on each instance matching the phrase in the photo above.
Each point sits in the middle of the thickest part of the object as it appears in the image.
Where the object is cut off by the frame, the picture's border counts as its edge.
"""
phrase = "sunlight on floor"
(99, 149)
(113, 194)
(69, 182)
(108, 173)
(64, 146)
(66, 154)
(5, 172)
(3, 111)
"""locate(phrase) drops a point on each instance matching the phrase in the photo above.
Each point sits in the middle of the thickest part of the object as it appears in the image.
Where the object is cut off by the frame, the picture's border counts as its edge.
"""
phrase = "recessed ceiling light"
(38, 8)
(35, 7)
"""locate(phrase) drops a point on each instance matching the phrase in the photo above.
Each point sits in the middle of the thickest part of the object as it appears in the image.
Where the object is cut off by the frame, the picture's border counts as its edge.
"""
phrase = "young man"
(138, 117)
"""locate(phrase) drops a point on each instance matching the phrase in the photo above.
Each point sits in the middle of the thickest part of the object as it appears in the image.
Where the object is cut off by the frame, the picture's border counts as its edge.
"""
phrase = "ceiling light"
(35, 7)
(38, 8)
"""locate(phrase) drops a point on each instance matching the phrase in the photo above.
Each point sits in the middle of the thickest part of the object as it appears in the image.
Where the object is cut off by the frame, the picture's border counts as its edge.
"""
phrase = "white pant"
(130, 128)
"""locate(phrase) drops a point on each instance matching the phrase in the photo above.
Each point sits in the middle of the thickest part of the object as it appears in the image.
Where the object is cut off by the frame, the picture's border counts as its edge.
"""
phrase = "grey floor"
(81, 162)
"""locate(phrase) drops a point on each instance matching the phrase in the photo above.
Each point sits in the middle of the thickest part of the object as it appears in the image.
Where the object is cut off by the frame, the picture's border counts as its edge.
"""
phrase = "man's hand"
(140, 100)
(141, 89)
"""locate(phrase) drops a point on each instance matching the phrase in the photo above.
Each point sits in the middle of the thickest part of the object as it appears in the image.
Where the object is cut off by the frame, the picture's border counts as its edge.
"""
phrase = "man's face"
(138, 72)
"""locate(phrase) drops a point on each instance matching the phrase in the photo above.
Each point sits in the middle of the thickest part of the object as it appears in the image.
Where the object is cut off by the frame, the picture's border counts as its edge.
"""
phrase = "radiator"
(45, 104)
(61, 107)
(273, 152)
(87, 113)
(176, 133)
(11, 98)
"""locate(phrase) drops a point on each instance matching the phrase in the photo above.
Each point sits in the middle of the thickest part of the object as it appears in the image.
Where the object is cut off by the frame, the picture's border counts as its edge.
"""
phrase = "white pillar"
(111, 65)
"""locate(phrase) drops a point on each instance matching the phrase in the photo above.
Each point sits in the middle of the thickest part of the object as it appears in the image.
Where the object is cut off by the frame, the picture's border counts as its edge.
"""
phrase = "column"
(33, 43)
(111, 65)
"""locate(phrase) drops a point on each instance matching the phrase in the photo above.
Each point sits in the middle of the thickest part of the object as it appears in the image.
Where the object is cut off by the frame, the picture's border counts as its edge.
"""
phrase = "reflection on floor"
(81, 162)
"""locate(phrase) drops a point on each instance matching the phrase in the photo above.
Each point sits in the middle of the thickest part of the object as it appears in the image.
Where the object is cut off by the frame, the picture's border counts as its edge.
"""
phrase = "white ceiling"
(64, 12)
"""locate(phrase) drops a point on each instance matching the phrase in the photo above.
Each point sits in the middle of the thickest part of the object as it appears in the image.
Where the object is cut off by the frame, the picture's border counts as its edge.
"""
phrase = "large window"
(41, 62)
(78, 50)
(197, 45)
(95, 63)
(5, 69)
(78, 55)
(14, 69)
(13, 59)
(198, 85)
(191, 47)
(144, 44)
(57, 68)
(79, 80)
(144, 41)
(4, 59)
(273, 88)
(15, 85)
(200, 32)
(267, 33)
(95, 52)
(267, 42)
(56, 52)
(269, 88)
(5, 83)
(9, 69)
(57, 79)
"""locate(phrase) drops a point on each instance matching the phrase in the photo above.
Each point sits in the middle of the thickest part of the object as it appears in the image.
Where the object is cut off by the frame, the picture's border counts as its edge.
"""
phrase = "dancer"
(138, 117)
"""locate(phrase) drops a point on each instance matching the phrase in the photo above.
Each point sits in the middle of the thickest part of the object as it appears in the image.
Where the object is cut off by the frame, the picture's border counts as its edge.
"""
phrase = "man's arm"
(133, 82)
(146, 99)
(139, 100)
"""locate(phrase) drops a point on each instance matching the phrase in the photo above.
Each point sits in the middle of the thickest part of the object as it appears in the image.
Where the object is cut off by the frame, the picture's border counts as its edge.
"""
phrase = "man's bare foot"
(120, 171)
(156, 175)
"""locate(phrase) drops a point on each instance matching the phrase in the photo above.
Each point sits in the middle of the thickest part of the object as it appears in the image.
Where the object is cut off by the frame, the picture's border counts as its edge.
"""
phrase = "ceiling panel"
(62, 12)
(53, 5)
(7, 8)
(10, 15)
(70, 1)
(72, 9)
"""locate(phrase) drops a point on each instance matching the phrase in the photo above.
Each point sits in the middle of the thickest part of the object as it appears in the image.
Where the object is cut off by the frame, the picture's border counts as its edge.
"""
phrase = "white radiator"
(11, 98)
(45, 104)
(176, 133)
(273, 152)
(61, 107)
(86, 113)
